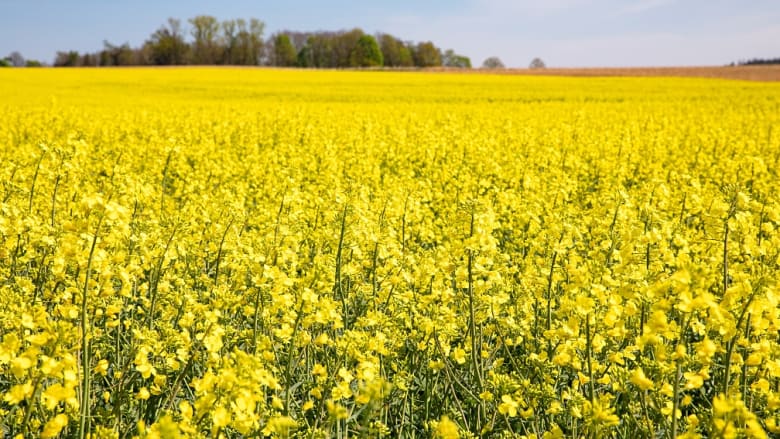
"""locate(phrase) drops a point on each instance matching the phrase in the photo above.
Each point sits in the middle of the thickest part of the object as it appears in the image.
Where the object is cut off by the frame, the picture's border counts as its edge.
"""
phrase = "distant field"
(751, 73)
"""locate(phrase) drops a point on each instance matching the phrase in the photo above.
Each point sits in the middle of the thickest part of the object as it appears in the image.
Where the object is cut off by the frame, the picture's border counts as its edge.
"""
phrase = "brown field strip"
(751, 73)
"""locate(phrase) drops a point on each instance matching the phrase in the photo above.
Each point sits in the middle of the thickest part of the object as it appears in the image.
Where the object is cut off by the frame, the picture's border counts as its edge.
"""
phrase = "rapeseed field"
(204, 252)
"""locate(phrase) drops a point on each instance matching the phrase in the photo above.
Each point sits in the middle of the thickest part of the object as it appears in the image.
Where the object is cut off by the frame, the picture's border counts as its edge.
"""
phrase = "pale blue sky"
(565, 33)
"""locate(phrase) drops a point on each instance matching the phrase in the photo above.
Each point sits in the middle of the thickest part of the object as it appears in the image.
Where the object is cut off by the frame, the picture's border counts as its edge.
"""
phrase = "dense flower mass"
(249, 253)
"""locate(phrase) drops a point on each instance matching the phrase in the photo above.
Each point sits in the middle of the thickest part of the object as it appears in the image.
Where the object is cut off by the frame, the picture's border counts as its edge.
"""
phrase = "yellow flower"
(341, 390)
(39, 339)
(705, 350)
(280, 426)
(102, 367)
(57, 393)
(459, 355)
(446, 429)
(721, 405)
(639, 379)
(486, 396)
(555, 408)
(146, 370)
(693, 380)
(143, 394)
(319, 372)
(19, 366)
(54, 426)
(436, 365)
(603, 416)
(220, 417)
(18, 393)
(336, 410)
(508, 406)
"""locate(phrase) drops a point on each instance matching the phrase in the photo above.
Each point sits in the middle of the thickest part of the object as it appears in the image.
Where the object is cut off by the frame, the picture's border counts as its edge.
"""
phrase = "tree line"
(15, 59)
(759, 62)
(207, 41)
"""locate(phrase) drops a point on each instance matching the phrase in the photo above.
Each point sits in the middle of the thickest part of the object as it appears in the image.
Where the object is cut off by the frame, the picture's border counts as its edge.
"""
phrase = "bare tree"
(537, 63)
(16, 59)
(493, 62)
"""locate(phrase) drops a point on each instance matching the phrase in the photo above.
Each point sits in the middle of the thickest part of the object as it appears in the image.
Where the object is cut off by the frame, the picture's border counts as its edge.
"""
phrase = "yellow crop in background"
(235, 252)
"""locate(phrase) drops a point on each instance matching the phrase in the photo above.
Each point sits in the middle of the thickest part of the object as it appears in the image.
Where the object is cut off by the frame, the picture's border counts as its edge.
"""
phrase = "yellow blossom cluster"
(205, 252)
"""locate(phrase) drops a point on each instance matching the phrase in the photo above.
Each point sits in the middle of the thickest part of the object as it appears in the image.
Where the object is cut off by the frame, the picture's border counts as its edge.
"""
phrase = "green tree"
(426, 54)
(205, 47)
(366, 53)
(320, 51)
(167, 44)
(283, 54)
(343, 44)
(67, 59)
(394, 52)
(304, 57)
(113, 55)
(452, 59)
(250, 42)
(90, 60)
(243, 41)
(229, 41)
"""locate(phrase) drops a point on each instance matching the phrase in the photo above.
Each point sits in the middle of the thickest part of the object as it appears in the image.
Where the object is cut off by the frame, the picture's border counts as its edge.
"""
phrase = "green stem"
(731, 343)
(54, 198)
(476, 345)
(288, 369)
(85, 354)
(549, 303)
(219, 252)
(156, 279)
(676, 398)
(337, 287)
(35, 178)
(29, 408)
(588, 358)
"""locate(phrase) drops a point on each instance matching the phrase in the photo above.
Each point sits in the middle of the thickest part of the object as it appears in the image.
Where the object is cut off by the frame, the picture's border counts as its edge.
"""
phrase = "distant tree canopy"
(492, 62)
(537, 63)
(452, 59)
(15, 59)
(283, 53)
(426, 55)
(395, 53)
(167, 45)
(205, 47)
(759, 62)
(204, 40)
(366, 53)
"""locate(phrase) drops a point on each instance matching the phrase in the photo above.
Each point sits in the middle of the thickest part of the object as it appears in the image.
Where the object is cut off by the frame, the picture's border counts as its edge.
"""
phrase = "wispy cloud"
(640, 6)
(528, 7)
